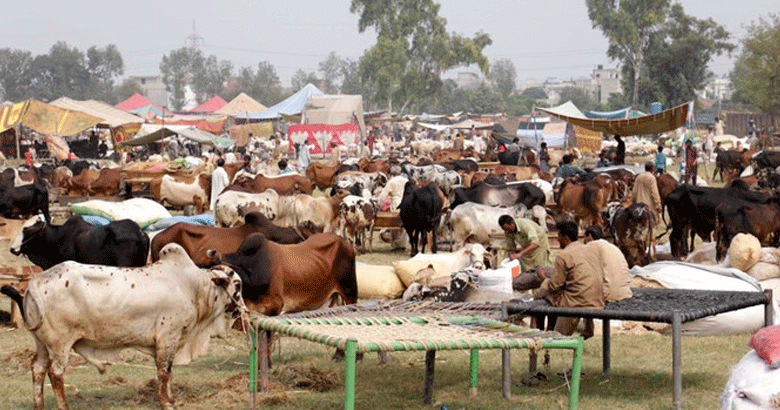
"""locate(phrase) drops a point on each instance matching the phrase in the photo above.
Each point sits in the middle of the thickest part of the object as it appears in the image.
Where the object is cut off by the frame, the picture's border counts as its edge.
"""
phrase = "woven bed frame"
(402, 326)
(674, 306)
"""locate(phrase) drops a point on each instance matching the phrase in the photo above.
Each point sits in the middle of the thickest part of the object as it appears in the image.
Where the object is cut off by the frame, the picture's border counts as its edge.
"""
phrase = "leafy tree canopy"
(756, 74)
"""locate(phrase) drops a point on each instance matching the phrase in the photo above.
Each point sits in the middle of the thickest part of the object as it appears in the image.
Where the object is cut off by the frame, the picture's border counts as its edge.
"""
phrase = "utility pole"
(194, 40)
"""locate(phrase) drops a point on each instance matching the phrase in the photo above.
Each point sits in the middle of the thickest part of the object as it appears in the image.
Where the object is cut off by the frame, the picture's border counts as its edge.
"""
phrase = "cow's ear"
(221, 282)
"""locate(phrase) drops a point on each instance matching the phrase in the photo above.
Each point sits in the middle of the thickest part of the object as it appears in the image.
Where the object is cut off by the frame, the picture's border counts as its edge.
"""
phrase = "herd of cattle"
(295, 251)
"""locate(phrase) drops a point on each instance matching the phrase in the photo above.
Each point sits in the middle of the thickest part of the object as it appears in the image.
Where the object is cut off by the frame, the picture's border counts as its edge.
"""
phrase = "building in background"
(153, 89)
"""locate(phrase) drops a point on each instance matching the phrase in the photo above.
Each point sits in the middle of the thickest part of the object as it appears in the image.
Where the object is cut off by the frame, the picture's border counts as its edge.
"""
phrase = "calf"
(632, 229)
(739, 216)
(179, 191)
(357, 216)
(168, 310)
(420, 213)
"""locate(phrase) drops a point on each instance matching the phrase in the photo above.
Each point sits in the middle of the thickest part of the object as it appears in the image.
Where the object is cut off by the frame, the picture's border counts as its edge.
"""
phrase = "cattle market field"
(304, 376)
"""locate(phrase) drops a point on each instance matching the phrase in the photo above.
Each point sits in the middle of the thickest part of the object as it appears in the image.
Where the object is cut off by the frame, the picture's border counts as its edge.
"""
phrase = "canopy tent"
(664, 121)
(211, 124)
(467, 124)
(292, 105)
(45, 118)
(112, 116)
(335, 110)
(149, 111)
(609, 115)
(211, 105)
(241, 104)
(138, 101)
(152, 133)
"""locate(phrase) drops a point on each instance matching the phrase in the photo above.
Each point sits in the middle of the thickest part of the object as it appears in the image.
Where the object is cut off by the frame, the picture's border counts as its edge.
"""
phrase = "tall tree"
(628, 24)
(677, 57)
(62, 72)
(188, 66)
(332, 69)
(15, 72)
(104, 66)
(209, 79)
(756, 74)
(301, 78)
(502, 74)
(412, 38)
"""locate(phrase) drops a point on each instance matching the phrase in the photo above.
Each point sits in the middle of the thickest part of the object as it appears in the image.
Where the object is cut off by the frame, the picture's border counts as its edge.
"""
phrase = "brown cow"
(107, 183)
(287, 184)
(197, 239)
(280, 279)
(79, 184)
(180, 191)
(323, 175)
(586, 200)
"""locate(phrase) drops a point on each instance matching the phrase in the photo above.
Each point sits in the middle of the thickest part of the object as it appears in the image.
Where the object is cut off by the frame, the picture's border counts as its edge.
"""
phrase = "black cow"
(739, 216)
(24, 201)
(465, 165)
(120, 243)
(692, 209)
(728, 161)
(525, 193)
(766, 159)
(78, 166)
(420, 212)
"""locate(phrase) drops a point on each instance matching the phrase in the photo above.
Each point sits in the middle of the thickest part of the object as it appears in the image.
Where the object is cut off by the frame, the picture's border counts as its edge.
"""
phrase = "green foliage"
(15, 72)
(104, 65)
(61, 72)
(756, 74)
(127, 89)
(332, 69)
(413, 49)
(301, 78)
(627, 25)
(579, 96)
(502, 74)
(535, 93)
(186, 66)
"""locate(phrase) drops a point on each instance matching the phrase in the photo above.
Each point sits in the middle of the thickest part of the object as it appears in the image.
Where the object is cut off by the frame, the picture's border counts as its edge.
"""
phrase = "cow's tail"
(14, 294)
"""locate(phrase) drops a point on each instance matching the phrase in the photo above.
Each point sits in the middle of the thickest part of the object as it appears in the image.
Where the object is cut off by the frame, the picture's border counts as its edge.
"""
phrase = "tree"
(412, 39)
(104, 65)
(15, 71)
(628, 24)
(579, 96)
(62, 72)
(536, 93)
(301, 78)
(332, 69)
(502, 74)
(188, 66)
(127, 89)
(756, 74)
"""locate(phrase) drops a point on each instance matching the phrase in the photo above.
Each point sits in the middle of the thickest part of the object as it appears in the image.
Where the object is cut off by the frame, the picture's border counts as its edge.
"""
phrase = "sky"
(543, 38)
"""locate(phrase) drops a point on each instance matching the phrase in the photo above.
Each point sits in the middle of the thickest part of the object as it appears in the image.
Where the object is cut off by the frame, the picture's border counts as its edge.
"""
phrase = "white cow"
(231, 206)
(169, 310)
(357, 216)
(471, 222)
(182, 191)
(472, 254)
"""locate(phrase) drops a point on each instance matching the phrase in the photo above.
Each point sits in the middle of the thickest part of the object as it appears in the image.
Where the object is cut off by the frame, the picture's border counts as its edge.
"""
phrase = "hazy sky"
(543, 38)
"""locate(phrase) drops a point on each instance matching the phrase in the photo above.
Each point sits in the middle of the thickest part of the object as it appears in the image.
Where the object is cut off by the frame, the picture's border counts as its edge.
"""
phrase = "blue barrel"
(655, 108)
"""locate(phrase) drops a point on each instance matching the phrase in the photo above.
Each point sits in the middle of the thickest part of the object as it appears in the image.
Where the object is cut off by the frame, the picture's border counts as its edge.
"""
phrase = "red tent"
(211, 105)
(137, 101)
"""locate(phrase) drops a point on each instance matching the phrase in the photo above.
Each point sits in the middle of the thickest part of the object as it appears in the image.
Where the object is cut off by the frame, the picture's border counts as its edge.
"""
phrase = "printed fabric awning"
(45, 118)
(664, 121)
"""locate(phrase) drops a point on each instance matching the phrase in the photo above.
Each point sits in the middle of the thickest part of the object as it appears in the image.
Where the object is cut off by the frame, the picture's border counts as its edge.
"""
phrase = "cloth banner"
(588, 142)
(211, 126)
(664, 121)
(240, 133)
(58, 148)
(321, 135)
(45, 118)
(124, 132)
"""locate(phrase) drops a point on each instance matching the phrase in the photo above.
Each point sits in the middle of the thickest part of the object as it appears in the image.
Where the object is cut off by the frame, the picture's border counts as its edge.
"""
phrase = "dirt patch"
(310, 378)
(18, 361)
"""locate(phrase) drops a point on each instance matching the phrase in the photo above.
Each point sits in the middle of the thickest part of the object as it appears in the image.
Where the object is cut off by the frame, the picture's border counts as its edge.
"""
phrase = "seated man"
(567, 169)
(617, 282)
(577, 280)
(530, 238)
(284, 168)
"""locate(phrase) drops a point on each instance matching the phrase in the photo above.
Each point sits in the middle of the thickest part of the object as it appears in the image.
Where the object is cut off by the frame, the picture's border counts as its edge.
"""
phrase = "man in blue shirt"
(660, 161)
(567, 169)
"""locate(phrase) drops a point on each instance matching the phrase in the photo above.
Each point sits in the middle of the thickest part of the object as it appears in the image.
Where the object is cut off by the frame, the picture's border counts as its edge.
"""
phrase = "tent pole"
(17, 131)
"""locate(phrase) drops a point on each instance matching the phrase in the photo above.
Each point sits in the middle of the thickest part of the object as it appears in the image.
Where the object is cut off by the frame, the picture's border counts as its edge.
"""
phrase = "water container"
(495, 280)
(655, 108)
(514, 265)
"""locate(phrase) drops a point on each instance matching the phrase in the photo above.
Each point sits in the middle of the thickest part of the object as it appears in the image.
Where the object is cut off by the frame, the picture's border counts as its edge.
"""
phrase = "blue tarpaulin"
(291, 106)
